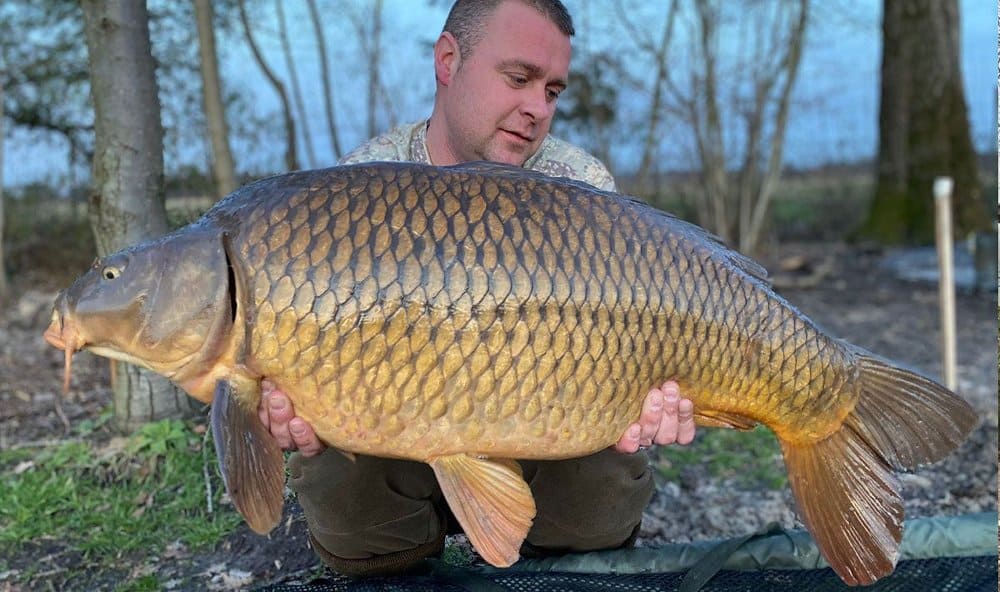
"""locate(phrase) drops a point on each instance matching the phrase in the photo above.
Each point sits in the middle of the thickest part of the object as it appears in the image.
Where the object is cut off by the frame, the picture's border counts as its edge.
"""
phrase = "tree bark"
(923, 126)
(291, 159)
(127, 204)
(223, 167)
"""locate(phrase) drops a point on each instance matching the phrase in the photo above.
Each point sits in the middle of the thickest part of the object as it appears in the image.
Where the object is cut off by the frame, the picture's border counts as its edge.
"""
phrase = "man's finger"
(305, 438)
(649, 421)
(685, 422)
(629, 442)
(666, 432)
(280, 411)
(266, 387)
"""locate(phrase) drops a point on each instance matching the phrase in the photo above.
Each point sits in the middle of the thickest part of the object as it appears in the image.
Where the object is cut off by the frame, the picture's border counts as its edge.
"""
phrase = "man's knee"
(591, 503)
(370, 515)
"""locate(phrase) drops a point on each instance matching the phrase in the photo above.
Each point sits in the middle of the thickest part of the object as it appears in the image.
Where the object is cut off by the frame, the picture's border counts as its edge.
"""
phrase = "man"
(500, 66)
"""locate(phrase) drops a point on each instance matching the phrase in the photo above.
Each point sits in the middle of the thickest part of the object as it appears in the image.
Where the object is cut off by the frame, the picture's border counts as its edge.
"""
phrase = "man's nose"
(536, 105)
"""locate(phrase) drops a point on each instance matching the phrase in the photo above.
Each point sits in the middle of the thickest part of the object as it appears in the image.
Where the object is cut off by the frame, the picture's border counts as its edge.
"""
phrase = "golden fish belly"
(417, 313)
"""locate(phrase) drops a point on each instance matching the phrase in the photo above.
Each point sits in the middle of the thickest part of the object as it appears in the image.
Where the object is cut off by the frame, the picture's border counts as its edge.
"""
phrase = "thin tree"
(293, 77)
(291, 159)
(127, 204)
(720, 95)
(4, 287)
(223, 167)
(369, 31)
(659, 53)
(923, 125)
(331, 119)
(374, 63)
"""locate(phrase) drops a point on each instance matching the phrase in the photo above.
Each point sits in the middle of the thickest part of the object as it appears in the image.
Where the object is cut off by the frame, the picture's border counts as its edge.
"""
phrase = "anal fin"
(491, 501)
(251, 462)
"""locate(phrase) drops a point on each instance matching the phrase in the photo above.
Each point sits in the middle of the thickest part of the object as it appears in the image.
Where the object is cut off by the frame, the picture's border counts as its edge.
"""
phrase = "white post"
(946, 282)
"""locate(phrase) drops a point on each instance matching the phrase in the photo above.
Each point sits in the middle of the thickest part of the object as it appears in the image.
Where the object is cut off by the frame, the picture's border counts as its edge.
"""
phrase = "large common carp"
(467, 316)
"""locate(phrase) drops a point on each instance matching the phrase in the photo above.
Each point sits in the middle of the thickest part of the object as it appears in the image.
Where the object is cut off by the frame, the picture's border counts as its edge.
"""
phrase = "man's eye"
(518, 79)
(552, 93)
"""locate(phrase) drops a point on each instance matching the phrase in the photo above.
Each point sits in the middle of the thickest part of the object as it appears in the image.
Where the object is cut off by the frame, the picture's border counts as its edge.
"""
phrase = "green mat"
(947, 554)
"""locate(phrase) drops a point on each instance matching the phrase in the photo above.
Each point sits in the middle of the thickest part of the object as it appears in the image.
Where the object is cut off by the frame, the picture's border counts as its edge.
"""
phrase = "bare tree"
(127, 205)
(331, 120)
(223, 167)
(737, 181)
(923, 125)
(291, 160)
(293, 77)
(658, 52)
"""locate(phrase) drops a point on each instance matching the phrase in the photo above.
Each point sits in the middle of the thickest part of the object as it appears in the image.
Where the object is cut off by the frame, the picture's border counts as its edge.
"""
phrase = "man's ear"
(447, 58)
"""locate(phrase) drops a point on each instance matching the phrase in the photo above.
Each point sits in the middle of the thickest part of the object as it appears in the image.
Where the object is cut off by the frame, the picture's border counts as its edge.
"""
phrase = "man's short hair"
(467, 19)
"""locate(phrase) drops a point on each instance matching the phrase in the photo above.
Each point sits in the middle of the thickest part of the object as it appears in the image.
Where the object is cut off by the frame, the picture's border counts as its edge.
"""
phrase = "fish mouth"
(63, 334)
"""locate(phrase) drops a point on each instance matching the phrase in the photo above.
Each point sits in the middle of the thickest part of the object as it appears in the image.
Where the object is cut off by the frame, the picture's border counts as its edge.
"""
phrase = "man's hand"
(291, 432)
(666, 419)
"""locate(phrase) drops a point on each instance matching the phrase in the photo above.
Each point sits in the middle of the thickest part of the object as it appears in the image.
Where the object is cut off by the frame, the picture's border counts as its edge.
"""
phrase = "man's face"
(498, 104)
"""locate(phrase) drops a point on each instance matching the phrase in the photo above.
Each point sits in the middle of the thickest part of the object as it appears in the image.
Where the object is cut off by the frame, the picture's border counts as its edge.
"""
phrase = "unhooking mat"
(943, 554)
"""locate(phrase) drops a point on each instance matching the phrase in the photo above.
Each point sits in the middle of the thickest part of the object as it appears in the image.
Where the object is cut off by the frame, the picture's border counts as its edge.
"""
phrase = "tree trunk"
(374, 63)
(923, 125)
(127, 205)
(291, 159)
(223, 167)
(4, 287)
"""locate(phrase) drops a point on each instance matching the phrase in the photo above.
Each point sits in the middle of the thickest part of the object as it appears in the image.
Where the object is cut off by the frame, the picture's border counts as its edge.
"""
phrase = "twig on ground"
(62, 415)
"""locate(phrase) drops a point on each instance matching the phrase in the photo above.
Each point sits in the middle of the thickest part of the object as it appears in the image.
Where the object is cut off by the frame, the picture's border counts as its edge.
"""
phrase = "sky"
(835, 104)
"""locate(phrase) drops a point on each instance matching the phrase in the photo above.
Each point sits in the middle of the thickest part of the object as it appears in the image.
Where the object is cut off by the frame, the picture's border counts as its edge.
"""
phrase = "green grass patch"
(752, 459)
(133, 495)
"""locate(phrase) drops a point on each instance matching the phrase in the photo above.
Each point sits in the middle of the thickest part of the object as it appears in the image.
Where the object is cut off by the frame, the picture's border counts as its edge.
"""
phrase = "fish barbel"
(471, 315)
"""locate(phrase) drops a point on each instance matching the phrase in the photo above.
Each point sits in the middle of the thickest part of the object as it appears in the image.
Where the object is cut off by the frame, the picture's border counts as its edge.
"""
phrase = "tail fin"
(845, 487)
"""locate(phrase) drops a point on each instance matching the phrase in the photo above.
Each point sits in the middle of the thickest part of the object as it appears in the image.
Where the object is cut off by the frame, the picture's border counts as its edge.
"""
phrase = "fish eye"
(110, 272)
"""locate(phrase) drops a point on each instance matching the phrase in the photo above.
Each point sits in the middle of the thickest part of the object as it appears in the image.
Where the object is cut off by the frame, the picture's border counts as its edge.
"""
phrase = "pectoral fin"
(490, 500)
(250, 460)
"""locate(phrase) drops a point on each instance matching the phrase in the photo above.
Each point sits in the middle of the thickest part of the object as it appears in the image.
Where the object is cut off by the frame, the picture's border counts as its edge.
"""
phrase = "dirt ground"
(853, 297)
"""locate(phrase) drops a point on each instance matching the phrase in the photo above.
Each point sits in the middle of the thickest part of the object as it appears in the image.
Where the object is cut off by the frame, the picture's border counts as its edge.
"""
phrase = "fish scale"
(467, 316)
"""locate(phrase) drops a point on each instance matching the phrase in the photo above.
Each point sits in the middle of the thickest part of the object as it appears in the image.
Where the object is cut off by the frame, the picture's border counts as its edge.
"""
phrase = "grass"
(105, 502)
(751, 459)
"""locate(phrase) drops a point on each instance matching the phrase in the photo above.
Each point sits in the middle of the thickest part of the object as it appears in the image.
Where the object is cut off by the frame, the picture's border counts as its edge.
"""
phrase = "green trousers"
(382, 516)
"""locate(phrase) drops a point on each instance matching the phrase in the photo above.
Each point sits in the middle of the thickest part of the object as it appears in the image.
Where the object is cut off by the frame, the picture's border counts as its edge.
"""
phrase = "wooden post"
(946, 281)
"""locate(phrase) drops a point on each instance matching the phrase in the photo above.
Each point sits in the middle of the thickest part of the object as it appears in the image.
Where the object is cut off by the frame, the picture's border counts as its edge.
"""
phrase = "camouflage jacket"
(555, 157)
